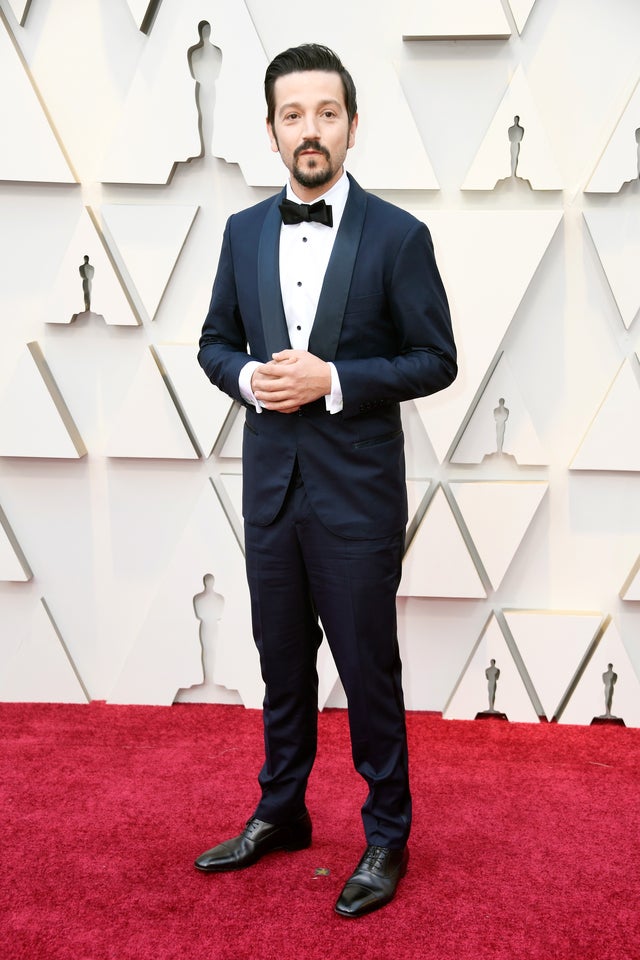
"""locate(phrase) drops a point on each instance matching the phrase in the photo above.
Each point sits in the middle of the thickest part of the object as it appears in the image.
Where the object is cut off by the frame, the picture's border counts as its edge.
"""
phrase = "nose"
(310, 129)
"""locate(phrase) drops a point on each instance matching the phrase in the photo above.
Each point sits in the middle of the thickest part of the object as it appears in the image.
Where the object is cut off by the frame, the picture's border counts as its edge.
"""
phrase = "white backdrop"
(121, 567)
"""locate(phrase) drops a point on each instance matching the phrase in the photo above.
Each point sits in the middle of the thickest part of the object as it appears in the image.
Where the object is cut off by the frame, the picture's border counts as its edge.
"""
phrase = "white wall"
(119, 465)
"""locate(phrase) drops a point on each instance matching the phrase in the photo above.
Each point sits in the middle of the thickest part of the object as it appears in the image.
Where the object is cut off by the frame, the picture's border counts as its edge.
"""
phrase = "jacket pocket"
(375, 441)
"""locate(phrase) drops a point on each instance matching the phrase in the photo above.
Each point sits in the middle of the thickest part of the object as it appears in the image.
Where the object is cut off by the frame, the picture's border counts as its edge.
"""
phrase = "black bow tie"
(318, 212)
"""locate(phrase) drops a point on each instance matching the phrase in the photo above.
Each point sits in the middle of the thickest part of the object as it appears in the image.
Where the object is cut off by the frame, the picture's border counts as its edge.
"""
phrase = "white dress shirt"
(305, 249)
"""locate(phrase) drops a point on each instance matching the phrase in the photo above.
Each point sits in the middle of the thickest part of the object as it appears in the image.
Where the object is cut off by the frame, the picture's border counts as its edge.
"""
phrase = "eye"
(292, 115)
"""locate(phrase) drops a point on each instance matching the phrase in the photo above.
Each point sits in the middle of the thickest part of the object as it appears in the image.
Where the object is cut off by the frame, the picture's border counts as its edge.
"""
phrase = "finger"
(275, 396)
(284, 356)
(266, 380)
(273, 369)
(282, 408)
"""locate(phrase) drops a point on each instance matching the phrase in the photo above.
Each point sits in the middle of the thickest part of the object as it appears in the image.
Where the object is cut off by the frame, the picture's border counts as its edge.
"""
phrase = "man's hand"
(291, 379)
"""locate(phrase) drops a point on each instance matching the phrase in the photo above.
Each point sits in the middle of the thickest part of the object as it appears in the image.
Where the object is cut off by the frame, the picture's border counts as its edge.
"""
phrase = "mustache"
(311, 145)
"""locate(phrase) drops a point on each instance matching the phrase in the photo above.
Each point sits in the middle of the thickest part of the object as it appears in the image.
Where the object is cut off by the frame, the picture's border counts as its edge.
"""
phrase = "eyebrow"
(323, 103)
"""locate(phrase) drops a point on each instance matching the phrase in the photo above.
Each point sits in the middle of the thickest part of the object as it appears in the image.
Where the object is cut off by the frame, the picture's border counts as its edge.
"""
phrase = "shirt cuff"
(244, 384)
(333, 400)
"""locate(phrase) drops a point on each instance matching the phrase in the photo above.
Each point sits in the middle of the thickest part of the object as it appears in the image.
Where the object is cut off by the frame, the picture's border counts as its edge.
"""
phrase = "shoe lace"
(374, 857)
(252, 827)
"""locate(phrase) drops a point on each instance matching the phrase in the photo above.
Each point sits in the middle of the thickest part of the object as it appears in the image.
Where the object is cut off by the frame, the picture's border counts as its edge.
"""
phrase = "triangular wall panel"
(612, 442)
(552, 645)
(416, 492)
(204, 406)
(616, 235)
(482, 439)
(455, 19)
(228, 487)
(30, 151)
(328, 680)
(485, 283)
(446, 570)
(34, 419)
(139, 10)
(470, 695)
(149, 239)
(419, 455)
(232, 445)
(148, 425)
(535, 163)
(375, 161)
(620, 161)
(497, 515)
(158, 125)
(631, 588)
(20, 9)
(233, 485)
(108, 301)
(13, 563)
(521, 10)
(39, 669)
(166, 655)
(588, 699)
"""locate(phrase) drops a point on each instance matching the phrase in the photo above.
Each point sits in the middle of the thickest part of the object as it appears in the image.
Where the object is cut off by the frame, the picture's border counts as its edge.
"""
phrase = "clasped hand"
(291, 379)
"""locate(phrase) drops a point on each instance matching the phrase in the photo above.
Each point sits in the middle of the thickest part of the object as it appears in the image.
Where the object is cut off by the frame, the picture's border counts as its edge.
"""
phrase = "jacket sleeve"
(223, 343)
(424, 361)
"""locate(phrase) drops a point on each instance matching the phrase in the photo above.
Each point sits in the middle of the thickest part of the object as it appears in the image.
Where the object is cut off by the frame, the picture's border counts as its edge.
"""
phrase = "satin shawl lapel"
(274, 324)
(327, 325)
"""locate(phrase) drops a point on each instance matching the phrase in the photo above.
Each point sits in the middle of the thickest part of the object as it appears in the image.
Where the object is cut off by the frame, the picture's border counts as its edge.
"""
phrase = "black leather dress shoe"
(257, 838)
(374, 881)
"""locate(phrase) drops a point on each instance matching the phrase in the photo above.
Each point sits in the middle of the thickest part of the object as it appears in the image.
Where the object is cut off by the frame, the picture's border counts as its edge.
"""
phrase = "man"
(321, 327)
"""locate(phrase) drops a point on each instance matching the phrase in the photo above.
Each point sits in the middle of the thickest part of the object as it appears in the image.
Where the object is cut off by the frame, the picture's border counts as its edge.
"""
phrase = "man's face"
(311, 129)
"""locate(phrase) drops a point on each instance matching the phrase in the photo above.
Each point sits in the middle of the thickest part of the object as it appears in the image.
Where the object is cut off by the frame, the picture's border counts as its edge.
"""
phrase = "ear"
(272, 138)
(352, 132)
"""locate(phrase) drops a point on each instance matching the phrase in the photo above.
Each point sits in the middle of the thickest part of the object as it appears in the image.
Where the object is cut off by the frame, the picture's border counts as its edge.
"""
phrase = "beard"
(312, 178)
(315, 175)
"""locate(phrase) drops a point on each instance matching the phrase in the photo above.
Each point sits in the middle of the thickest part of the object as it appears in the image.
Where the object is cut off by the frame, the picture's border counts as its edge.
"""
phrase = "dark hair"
(308, 56)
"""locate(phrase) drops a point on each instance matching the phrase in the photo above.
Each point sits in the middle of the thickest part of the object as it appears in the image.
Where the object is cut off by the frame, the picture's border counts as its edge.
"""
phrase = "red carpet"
(526, 841)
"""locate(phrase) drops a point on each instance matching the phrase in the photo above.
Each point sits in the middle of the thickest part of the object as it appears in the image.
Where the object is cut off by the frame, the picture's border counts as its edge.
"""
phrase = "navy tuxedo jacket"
(384, 321)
